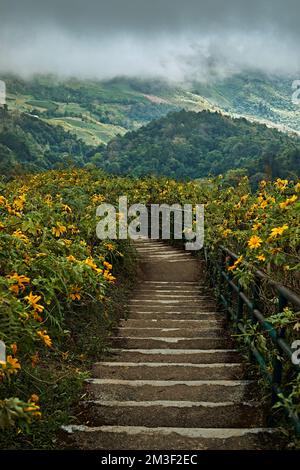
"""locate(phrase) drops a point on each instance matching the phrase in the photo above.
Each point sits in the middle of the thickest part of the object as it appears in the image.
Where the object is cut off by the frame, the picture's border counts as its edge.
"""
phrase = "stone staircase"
(173, 379)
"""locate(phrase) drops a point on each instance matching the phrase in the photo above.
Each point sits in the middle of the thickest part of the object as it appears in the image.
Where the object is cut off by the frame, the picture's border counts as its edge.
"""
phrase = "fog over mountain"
(171, 39)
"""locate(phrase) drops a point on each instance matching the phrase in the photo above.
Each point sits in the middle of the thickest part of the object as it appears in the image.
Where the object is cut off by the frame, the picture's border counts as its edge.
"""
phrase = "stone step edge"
(206, 433)
(169, 364)
(170, 383)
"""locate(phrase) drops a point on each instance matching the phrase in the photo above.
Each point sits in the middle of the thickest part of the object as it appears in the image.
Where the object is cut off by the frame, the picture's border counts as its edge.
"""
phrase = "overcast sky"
(175, 39)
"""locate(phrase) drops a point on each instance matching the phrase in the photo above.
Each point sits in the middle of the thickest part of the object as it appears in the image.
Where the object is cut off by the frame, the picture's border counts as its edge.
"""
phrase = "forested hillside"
(97, 111)
(195, 145)
(28, 143)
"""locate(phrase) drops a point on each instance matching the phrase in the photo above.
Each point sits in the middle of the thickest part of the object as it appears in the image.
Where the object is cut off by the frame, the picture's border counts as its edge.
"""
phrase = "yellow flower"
(21, 236)
(48, 200)
(45, 338)
(278, 231)
(33, 302)
(264, 204)
(66, 241)
(245, 198)
(107, 265)
(71, 258)
(73, 229)
(108, 276)
(297, 188)
(75, 293)
(97, 198)
(256, 226)
(18, 282)
(236, 264)
(58, 230)
(109, 246)
(281, 184)
(261, 258)
(288, 202)
(226, 232)
(254, 242)
(3, 201)
(67, 208)
(90, 262)
(19, 202)
(13, 365)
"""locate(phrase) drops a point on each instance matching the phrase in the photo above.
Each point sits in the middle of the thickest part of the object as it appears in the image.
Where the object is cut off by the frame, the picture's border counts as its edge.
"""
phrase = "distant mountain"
(266, 98)
(196, 145)
(98, 111)
(29, 144)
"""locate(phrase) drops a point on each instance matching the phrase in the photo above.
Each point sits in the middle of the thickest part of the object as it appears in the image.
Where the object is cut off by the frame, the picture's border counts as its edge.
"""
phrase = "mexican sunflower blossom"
(19, 202)
(75, 293)
(45, 337)
(288, 202)
(278, 231)
(236, 264)
(281, 184)
(33, 302)
(19, 282)
(90, 262)
(254, 242)
(12, 365)
(58, 230)
(21, 236)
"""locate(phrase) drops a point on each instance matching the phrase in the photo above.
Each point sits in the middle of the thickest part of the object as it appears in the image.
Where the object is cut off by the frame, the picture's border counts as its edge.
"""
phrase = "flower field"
(52, 264)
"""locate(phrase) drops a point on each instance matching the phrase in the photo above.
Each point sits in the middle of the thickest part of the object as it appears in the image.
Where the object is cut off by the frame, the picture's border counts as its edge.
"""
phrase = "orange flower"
(34, 398)
(14, 348)
(35, 359)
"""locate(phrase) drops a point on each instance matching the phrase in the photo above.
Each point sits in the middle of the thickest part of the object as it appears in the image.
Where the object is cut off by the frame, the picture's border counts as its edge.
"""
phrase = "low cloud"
(172, 40)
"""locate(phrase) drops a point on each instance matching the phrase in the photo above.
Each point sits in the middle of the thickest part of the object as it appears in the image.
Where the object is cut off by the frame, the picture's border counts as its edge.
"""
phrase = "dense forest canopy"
(195, 145)
(183, 145)
(30, 144)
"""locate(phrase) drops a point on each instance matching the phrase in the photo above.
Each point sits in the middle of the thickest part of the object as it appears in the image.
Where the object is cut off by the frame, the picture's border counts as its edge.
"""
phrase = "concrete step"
(183, 308)
(191, 390)
(186, 296)
(186, 414)
(166, 316)
(193, 356)
(170, 301)
(170, 343)
(164, 438)
(170, 323)
(168, 371)
(213, 332)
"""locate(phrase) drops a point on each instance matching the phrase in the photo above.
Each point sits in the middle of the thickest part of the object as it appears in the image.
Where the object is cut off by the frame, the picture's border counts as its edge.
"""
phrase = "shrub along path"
(174, 379)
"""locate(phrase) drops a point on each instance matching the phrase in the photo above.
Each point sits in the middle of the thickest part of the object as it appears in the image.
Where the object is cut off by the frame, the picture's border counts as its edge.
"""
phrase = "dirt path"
(174, 379)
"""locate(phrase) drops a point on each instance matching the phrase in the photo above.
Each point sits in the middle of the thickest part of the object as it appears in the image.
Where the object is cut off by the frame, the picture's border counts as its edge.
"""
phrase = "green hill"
(29, 144)
(196, 145)
(98, 111)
